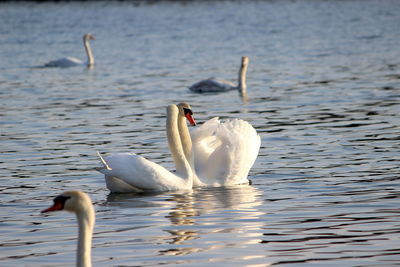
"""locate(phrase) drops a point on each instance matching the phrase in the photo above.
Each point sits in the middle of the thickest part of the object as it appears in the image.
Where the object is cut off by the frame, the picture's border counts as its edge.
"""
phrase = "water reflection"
(195, 216)
(184, 211)
(244, 97)
(325, 102)
(208, 211)
(242, 197)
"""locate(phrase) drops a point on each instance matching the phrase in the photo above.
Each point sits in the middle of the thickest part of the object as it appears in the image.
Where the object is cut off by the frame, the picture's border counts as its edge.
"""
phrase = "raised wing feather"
(224, 152)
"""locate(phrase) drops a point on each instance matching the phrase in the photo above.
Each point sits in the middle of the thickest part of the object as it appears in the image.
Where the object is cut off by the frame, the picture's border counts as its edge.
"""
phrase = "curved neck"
(88, 49)
(242, 87)
(175, 146)
(86, 224)
(186, 140)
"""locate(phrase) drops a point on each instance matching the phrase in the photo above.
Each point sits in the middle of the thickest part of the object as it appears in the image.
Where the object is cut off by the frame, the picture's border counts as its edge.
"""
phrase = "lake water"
(323, 93)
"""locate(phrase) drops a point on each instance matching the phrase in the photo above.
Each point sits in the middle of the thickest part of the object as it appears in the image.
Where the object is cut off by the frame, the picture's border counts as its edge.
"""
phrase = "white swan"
(79, 203)
(220, 154)
(213, 85)
(128, 172)
(71, 61)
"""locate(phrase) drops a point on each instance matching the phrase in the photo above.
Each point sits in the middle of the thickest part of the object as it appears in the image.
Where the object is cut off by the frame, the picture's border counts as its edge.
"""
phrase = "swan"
(71, 61)
(220, 153)
(79, 203)
(128, 172)
(211, 85)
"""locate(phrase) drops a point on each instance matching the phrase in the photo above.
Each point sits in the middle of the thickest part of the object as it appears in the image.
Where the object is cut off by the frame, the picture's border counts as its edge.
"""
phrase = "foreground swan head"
(79, 203)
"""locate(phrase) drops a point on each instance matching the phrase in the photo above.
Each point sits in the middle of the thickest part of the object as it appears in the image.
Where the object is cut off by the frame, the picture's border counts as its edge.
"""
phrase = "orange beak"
(190, 118)
(56, 206)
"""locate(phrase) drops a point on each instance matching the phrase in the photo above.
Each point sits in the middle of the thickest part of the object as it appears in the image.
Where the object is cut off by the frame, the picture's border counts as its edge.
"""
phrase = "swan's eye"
(60, 200)
(187, 111)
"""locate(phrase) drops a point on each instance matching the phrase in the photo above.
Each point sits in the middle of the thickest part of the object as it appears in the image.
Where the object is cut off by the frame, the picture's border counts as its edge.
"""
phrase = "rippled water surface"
(323, 93)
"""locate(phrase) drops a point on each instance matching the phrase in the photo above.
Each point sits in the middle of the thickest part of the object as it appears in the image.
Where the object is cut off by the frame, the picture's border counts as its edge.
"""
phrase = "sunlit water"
(323, 85)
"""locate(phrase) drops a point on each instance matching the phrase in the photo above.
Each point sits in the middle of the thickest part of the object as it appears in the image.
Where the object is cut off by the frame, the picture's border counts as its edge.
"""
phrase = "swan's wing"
(204, 143)
(225, 152)
(212, 85)
(231, 162)
(228, 84)
(128, 172)
(207, 129)
(64, 62)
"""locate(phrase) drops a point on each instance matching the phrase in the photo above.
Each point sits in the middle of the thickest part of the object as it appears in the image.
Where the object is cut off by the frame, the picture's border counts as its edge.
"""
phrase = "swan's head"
(186, 111)
(245, 61)
(88, 36)
(73, 201)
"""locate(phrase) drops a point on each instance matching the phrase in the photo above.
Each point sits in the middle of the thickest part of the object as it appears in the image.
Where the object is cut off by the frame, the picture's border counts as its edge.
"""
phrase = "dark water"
(323, 85)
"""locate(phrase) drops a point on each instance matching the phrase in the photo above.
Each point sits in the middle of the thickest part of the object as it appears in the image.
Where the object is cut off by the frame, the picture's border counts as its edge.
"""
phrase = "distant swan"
(128, 172)
(79, 203)
(220, 153)
(213, 85)
(71, 61)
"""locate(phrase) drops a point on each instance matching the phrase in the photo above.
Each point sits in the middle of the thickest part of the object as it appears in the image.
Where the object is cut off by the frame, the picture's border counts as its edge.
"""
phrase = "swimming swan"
(213, 85)
(71, 61)
(79, 203)
(220, 153)
(128, 172)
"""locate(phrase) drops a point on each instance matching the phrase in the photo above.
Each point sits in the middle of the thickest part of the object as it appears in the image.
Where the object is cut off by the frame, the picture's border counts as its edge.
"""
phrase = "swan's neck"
(90, 60)
(242, 87)
(175, 146)
(186, 140)
(86, 224)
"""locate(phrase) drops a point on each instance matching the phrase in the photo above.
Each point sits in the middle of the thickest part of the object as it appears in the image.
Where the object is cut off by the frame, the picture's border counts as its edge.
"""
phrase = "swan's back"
(212, 85)
(64, 62)
(128, 172)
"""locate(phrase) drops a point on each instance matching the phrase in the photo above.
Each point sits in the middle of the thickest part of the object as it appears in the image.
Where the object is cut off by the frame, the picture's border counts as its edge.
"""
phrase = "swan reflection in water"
(197, 214)
(209, 211)
(213, 210)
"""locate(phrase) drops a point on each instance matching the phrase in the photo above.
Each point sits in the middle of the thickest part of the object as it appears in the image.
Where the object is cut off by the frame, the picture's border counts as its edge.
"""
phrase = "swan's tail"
(105, 165)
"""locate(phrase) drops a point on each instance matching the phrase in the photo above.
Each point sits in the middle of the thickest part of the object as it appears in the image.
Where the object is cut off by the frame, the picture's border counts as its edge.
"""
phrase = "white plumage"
(128, 172)
(213, 85)
(71, 61)
(224, 152)
(214, 154)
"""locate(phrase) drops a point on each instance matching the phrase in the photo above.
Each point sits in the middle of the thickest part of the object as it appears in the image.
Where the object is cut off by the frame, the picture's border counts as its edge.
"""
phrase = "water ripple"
(323, 94)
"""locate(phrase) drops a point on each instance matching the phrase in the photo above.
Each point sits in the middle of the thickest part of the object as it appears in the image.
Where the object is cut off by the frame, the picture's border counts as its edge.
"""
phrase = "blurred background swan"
(71, 61)
(213, 85)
